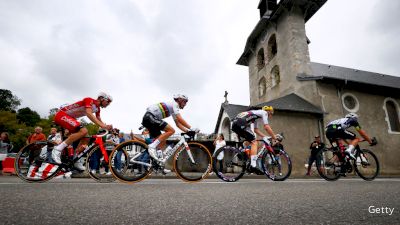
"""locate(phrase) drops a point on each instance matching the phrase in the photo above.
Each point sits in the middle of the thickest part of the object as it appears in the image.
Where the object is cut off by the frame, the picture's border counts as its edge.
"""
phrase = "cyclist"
(152, 120)
(242, 127)
(337, 130)
(67, 116)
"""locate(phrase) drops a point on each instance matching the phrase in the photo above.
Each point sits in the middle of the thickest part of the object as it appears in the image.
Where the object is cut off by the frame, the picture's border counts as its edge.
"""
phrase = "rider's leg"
(161, 139)
(253, 153)
(56, 154)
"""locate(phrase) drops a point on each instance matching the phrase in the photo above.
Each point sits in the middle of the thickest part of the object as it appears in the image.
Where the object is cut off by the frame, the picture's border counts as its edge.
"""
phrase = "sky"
(142, 52)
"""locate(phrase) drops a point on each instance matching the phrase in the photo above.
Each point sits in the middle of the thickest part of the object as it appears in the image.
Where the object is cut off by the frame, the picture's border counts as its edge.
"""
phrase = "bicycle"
(33, 164)
(333, 162)
(191, 160)
(235, 162)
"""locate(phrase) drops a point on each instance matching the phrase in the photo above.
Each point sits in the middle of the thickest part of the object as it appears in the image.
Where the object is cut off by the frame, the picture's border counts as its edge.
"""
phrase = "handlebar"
(101, 135)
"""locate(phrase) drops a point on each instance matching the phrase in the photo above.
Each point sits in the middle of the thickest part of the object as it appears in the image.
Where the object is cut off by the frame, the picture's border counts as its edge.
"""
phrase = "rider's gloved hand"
(266, 139)
(373, 142)
(279, 137)
(196, 130)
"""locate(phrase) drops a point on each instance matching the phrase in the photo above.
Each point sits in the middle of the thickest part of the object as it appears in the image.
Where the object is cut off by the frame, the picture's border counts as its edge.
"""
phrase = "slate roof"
(291, 102)
(328, 72)
(294, 103)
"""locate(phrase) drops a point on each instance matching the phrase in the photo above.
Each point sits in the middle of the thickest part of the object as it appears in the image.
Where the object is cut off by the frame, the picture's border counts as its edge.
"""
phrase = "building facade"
(308, 95)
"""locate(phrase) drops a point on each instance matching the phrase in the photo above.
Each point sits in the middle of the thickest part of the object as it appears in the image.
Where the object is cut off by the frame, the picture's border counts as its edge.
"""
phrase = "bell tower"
(276, 51)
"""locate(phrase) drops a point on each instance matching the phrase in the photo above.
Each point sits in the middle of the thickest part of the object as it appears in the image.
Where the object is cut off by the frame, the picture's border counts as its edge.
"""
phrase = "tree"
(28, 116)
(8, 101)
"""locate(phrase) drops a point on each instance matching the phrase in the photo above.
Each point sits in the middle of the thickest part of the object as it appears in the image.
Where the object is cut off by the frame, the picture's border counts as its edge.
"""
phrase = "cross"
(226, 97)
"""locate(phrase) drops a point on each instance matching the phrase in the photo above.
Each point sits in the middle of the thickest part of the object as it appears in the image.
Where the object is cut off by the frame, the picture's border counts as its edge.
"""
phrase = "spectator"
(314, 147)
(121, 137)
(37, 136)
(5, 147)
(112, 140)
(54, 139)
(219, 142)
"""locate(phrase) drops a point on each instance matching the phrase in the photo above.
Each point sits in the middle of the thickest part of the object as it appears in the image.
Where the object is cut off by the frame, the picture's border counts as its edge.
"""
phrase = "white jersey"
(163, 110)
(254, 116)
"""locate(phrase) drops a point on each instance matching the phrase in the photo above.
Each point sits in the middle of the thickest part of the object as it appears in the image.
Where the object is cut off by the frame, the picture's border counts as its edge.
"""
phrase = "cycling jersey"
(344, 123)
(163, 110)
(241, 124)
(253, 116)
(337, 129)
(78, 109)
(67, 115)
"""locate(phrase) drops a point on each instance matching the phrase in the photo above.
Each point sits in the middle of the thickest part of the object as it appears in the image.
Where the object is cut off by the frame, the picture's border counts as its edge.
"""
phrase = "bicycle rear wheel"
(196, 170)
(278, 166)
(97, 167)
(31, 163)
(130, 162)
(328, 164)
(366, 164)
(229, 163)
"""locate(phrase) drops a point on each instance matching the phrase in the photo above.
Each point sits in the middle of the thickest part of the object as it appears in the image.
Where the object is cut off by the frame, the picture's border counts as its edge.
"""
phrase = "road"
(171, 201)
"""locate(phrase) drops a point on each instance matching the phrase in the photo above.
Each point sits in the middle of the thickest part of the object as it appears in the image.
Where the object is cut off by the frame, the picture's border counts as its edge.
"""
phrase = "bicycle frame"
(97, 142)
(182, 142)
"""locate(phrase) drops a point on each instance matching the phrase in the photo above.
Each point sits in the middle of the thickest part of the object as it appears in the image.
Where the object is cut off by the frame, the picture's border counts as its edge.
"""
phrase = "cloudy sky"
(142, 52)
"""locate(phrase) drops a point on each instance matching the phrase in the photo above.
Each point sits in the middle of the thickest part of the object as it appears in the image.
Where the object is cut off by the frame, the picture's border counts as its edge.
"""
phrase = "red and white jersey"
(78, 109)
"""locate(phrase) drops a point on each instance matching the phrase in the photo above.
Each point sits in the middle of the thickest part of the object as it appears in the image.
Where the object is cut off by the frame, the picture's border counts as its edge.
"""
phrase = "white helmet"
(105, 96)
(180, 96)
(352, 115)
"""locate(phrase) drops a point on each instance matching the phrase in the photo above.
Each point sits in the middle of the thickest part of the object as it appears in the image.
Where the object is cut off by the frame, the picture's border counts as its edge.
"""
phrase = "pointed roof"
(294, 103)
(232, 110)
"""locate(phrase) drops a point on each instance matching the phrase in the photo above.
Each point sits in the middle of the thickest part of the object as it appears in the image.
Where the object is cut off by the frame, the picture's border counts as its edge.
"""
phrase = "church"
(307, 95)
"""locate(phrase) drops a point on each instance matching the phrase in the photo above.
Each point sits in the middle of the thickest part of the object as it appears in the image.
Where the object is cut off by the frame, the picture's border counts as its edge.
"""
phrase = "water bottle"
(168, 150)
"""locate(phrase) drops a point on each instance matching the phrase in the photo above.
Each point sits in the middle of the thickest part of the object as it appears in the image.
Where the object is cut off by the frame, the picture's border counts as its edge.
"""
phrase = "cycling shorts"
(239, 126)
(153, 124)
(333, 134)
(66, 121)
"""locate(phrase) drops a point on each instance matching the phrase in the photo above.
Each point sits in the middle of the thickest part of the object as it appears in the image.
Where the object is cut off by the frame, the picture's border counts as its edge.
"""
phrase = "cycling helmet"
(105, 96)
(180, 96)
(352, 115)
(268, 108)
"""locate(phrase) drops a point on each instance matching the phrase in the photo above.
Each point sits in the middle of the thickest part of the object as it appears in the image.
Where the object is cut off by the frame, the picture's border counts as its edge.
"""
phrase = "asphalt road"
(171, 201)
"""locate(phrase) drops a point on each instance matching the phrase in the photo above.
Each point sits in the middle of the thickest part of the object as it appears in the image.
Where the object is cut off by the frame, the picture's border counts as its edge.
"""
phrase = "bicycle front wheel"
(328, 164)
(130, 162)
(229, 163)
(277, 166)
(193, 164)
(31, 163)
(97, 167)
(366, 164)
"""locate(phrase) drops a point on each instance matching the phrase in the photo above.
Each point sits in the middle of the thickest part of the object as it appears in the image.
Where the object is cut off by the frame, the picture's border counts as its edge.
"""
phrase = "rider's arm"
(269, 130)
(259, 133)
(181, 123)
(364, 135)
(94, 119)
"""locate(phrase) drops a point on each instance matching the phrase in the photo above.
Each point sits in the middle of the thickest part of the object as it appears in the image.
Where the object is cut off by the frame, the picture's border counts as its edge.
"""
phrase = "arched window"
(262, 87)
(272, 48)
(226, 129)
(260, 59)
(275, 76)
(392, 115)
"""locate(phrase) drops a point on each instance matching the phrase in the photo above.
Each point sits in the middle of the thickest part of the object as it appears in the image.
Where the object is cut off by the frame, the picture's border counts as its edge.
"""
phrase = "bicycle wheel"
(366, 164)
(130, 162)
(276, 166)
(229, 163)
(97, 167)
(195, 170)
(328, 164)
(31, 163)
